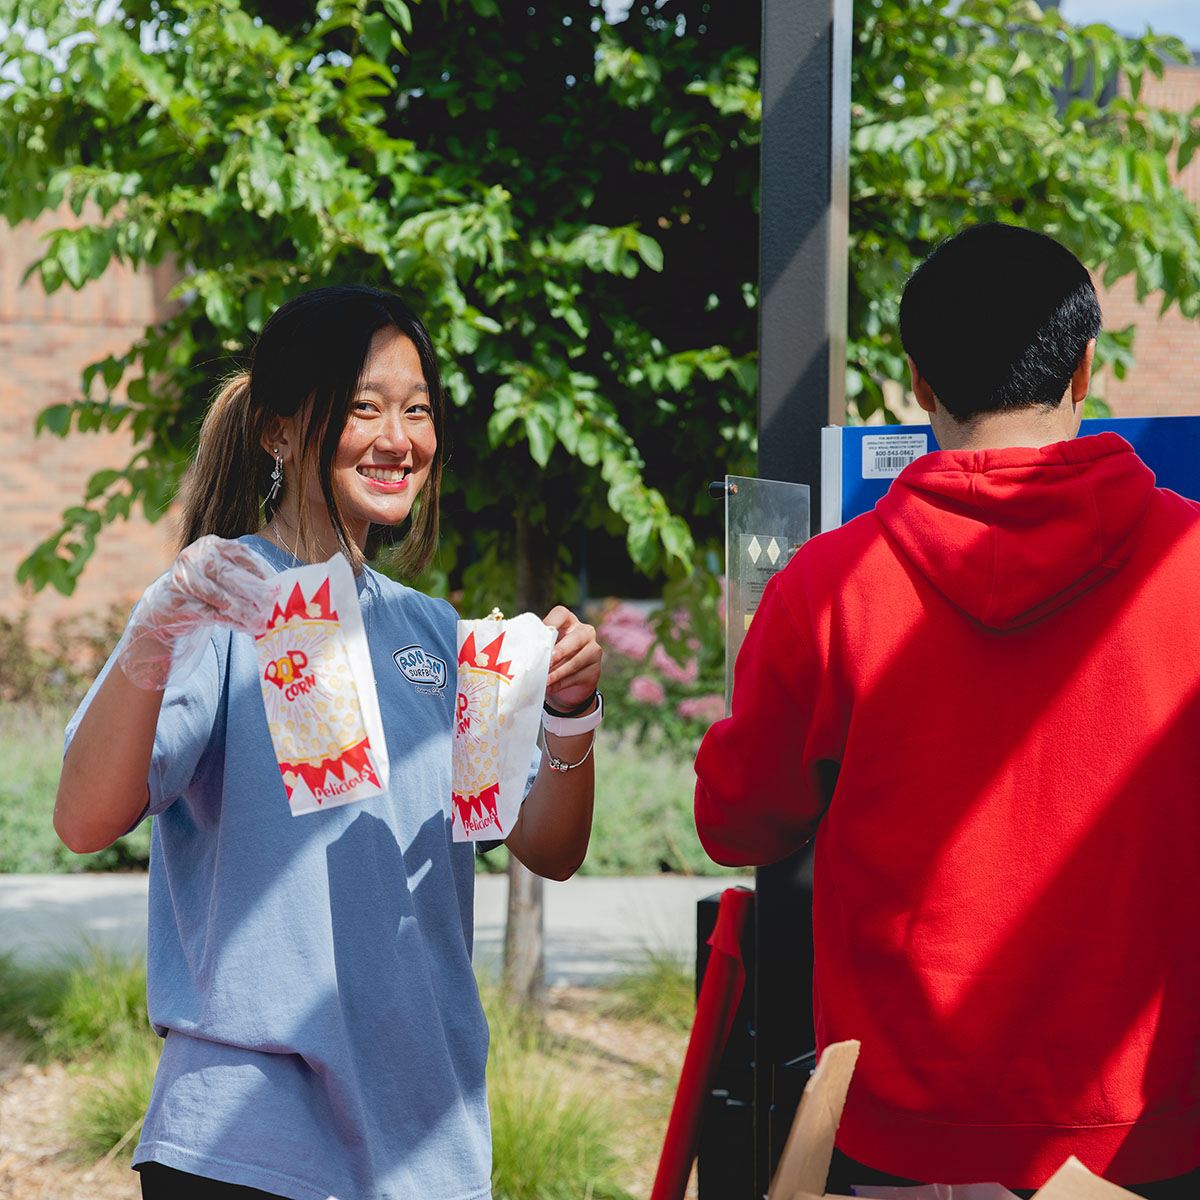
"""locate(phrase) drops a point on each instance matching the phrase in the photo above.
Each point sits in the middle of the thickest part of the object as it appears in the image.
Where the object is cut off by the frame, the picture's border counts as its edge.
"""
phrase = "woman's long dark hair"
(308, 359)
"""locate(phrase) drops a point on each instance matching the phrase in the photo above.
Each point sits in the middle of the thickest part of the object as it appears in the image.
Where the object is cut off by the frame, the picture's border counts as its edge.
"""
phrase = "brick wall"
(45, 342)
(1164, 377)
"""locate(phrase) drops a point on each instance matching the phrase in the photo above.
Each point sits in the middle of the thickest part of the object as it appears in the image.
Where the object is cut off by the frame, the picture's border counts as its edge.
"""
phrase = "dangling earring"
(276, 477)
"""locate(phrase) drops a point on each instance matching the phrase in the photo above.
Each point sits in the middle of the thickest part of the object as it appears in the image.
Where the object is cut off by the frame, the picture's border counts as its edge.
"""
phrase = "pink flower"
(681, 620)
(624, 630)
(702, 708)
(685, 672)
(645, 690)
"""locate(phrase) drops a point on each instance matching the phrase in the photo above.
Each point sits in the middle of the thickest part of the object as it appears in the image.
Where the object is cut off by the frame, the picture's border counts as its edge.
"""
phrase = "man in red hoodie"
(1002, 664)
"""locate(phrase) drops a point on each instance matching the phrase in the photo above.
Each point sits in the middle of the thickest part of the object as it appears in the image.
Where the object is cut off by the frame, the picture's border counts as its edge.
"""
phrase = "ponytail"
(220, 493)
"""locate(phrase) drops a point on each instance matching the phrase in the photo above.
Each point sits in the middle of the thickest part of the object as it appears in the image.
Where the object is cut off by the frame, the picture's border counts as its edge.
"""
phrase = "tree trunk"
(524, 973)
(524, 977)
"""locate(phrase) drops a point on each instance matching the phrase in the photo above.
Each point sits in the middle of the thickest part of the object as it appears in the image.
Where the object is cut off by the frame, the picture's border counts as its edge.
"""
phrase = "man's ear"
(1081, 377)
(921, 388)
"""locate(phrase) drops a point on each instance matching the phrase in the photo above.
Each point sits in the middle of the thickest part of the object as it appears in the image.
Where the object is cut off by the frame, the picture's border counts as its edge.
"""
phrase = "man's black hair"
(998, 318)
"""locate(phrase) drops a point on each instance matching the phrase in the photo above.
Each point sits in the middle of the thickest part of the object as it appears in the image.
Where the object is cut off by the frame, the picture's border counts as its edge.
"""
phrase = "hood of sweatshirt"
(1011, 535)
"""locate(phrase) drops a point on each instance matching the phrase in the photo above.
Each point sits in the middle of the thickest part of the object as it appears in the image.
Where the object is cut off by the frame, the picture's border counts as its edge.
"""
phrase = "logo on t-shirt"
(426, 671)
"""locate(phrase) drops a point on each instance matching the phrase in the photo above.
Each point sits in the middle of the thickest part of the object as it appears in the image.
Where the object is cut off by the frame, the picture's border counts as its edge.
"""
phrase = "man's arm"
(758, 783)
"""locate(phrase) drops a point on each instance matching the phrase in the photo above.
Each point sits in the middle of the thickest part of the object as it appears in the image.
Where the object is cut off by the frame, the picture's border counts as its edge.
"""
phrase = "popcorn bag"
(319, 689)
(502, 669)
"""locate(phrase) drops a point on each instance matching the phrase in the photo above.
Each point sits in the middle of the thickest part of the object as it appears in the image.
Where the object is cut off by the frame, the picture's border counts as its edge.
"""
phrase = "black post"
(804, 233)
(802, 369)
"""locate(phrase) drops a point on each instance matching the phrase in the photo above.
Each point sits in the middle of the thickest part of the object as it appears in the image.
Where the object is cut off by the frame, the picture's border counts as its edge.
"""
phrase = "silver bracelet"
(557, 764)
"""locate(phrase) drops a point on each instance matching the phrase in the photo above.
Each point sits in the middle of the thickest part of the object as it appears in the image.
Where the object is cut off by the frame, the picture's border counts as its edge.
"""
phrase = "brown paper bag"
(804, 1164)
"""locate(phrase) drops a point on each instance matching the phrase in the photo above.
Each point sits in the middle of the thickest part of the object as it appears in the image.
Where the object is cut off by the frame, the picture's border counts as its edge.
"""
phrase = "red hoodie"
(1004, 661)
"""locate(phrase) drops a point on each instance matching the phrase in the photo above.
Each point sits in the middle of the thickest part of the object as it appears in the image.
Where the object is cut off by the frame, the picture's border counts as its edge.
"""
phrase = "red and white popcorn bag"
(319, 689)
(502, 670)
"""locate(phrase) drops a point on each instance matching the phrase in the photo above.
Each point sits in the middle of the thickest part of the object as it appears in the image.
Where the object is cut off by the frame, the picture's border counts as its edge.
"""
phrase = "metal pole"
(802, 367)
(804, 232)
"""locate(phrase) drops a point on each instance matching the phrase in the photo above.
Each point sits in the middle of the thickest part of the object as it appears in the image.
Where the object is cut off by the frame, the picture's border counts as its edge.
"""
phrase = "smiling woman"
(341, 410)
(312, 976)
(384, 457)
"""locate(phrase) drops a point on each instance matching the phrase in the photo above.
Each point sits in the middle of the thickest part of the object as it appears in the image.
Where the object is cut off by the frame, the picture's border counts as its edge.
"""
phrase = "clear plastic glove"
(213, 582)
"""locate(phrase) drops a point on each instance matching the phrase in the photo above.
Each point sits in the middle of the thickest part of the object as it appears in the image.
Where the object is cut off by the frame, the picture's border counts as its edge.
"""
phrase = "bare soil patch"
(37, 1161)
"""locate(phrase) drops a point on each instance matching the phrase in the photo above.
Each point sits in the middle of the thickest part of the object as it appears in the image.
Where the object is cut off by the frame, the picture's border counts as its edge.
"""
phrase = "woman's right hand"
(213, 582)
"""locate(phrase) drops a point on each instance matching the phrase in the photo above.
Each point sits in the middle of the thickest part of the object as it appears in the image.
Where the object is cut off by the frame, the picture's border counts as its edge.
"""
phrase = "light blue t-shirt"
(312, 974)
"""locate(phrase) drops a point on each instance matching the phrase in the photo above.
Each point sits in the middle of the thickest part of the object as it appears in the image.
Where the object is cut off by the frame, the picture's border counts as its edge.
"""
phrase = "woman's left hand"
(574, 662)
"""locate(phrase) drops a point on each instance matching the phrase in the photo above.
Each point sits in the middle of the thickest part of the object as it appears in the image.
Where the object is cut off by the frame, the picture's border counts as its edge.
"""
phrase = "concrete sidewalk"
(596, 928)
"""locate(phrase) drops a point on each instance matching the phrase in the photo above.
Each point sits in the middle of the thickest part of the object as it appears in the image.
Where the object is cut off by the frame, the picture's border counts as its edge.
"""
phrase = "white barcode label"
(885, 455)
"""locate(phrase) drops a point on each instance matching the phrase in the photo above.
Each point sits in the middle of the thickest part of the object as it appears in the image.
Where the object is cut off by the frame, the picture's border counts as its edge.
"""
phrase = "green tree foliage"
(982, 110)
(568, 202)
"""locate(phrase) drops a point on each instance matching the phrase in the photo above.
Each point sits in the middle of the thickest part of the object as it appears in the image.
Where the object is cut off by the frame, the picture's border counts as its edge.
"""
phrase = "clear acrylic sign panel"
(766, 522)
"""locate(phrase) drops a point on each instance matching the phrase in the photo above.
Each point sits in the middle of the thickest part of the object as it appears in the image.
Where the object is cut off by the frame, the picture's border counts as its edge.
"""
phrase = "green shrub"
(644, 786)
(37, 675)
(551, 1139)
(39, 688)
(647, 706)
(643, 821)
(31, 745)
(642, 825)
(29, 995)
(549, 1142)
(661, 990)
(664, 676)
(103, 1008)
(106, 1118)
(27, 674)
(77, 1009)
(89, 1011)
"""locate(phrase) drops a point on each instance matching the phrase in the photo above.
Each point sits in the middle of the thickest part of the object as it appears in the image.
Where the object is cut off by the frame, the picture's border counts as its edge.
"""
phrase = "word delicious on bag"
(319, 690)
(502, 670)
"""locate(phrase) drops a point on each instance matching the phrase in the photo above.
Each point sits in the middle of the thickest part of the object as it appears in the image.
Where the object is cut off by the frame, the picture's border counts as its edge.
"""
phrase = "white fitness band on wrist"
(571, 726)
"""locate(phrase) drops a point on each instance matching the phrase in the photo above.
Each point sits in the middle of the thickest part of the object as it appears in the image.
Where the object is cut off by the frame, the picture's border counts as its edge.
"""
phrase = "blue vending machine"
(858, 463)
